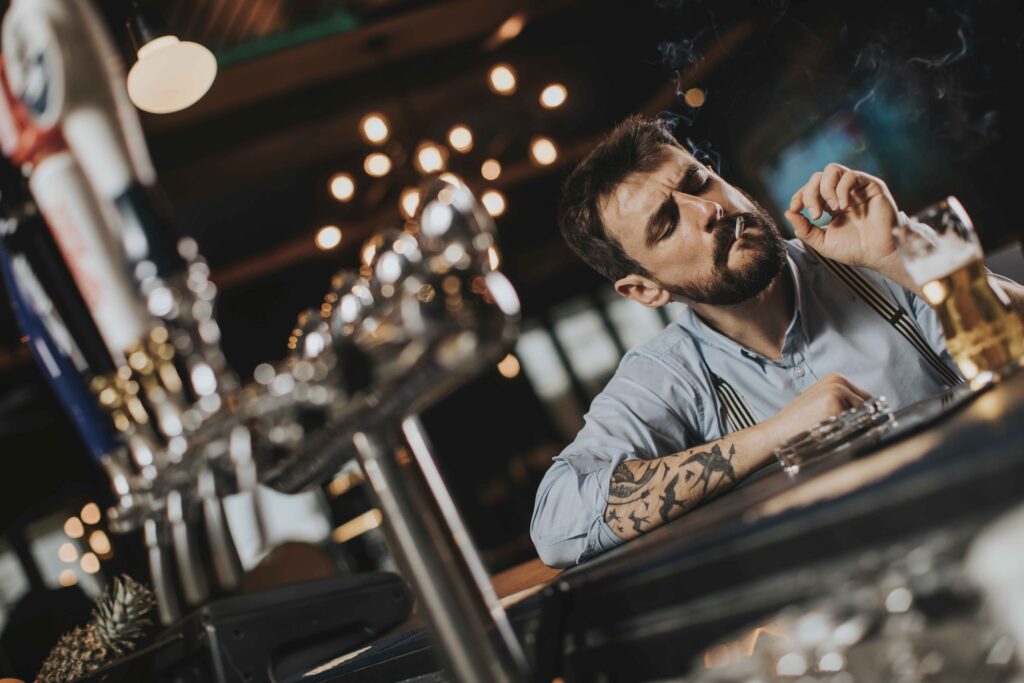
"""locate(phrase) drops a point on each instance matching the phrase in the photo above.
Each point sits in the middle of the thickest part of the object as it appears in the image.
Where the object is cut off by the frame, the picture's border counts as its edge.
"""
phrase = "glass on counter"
(836, 435)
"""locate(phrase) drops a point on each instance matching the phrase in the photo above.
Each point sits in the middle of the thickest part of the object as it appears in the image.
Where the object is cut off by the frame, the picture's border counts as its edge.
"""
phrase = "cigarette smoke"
(948, 65)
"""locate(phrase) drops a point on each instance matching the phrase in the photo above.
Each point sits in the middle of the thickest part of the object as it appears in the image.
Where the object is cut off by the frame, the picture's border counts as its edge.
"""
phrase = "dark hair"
(638, 144)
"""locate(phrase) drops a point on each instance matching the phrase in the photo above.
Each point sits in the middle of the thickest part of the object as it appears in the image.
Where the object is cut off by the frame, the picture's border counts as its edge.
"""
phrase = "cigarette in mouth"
(739, 226)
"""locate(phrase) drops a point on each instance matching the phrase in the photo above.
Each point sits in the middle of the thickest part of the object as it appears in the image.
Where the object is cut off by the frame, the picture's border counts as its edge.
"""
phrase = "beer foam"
(933, 255)
(942, 262)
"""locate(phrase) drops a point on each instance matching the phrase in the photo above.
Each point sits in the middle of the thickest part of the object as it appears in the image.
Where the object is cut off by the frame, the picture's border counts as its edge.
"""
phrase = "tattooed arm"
(647, 493)
(644, 494)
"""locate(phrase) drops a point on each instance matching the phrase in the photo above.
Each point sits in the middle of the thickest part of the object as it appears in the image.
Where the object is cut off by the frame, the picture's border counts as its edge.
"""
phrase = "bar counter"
(645, 610)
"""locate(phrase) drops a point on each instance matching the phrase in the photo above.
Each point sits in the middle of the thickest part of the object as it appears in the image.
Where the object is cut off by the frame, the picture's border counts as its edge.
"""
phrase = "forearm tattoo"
(647, 493)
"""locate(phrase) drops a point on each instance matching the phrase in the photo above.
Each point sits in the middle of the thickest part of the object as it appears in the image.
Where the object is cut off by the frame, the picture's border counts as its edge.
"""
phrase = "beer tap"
(428, 310)
(151, 298)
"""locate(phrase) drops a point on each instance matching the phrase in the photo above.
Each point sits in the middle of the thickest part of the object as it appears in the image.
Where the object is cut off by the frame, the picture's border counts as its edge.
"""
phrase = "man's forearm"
(647, 493)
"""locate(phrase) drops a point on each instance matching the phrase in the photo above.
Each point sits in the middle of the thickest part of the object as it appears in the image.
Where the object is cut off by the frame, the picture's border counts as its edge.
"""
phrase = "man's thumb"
(804, 229)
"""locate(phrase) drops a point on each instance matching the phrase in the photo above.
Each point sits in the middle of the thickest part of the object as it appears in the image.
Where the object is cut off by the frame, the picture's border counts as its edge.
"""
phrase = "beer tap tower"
(428, 310)
(79, 142)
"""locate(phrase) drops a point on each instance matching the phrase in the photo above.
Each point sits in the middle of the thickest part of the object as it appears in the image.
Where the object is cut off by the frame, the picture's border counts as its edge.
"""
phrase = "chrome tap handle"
(161, 571)
(247, 478)
(185, 547)
(227, 567)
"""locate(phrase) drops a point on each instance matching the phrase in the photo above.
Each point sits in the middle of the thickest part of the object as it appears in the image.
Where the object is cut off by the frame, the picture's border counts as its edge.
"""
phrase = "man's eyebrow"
(657, 219)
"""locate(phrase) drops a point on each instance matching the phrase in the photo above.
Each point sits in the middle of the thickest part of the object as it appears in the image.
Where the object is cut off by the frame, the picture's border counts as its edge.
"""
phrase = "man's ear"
(643, 289)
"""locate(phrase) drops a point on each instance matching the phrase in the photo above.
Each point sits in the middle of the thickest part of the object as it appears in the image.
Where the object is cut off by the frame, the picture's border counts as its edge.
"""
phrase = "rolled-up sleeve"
(645, 411)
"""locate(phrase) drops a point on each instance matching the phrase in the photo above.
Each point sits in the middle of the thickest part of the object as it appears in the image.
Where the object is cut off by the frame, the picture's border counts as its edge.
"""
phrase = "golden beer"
(983, 333)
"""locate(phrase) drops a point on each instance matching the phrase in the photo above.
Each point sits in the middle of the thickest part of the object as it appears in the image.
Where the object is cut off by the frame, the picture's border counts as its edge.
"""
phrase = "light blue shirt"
(661, 401)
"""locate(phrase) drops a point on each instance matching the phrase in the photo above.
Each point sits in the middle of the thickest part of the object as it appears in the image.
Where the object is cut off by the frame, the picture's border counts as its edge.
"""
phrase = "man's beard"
(728, 286)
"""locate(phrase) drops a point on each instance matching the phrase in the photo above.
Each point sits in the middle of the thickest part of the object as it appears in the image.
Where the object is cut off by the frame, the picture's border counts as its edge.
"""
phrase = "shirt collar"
(708, 334)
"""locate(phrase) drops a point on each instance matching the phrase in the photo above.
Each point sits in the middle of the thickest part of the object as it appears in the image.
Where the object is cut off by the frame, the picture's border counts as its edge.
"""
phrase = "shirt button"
(799, 372)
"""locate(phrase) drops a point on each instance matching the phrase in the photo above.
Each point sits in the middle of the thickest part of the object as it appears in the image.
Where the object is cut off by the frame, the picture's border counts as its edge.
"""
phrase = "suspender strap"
(738, 414)
(893, 314)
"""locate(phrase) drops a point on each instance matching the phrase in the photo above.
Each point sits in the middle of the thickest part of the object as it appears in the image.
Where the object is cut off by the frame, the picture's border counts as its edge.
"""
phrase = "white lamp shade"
(170, 75)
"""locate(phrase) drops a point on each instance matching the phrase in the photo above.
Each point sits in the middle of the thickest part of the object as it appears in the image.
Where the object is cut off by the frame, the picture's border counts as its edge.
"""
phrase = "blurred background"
(325, 113)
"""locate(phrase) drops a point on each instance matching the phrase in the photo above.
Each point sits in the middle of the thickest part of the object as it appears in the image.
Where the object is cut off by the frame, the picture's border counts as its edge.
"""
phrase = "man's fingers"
(836, 378)
(811, 196)
(805, 230)
(845, 186)
(796, 202)
(851, 399)
(829, 179)
(857, 391)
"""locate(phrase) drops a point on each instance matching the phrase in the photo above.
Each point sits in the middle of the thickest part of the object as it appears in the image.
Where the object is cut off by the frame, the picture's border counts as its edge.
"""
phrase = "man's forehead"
(641, 192)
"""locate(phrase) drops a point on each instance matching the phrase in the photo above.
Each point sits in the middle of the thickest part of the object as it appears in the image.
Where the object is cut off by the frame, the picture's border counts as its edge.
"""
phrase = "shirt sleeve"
(647, 410)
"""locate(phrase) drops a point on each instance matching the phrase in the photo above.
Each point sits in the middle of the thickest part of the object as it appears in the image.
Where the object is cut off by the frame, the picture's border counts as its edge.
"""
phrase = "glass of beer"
(941, 251)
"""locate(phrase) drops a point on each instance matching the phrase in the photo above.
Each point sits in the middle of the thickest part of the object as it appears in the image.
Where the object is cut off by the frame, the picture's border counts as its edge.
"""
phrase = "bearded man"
(776, 336)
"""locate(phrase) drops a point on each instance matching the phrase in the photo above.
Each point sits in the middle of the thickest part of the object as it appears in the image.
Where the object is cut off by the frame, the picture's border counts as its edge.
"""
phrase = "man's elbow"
(556, 544)
(565, 527)
(552, 551)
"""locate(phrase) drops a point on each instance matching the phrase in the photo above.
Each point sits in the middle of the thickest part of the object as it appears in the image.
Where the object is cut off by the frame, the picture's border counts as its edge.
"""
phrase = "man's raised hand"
(863, 215)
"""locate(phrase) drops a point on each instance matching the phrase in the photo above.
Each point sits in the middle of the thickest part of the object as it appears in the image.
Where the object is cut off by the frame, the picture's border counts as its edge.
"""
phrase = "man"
(770, 333)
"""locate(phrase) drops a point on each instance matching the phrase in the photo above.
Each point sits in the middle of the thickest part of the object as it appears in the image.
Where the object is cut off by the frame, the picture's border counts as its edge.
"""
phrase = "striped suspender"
(738, 414)
(892, 313)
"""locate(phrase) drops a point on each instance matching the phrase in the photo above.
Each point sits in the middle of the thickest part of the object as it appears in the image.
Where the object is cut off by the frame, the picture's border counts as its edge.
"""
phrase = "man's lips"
(742, 230)
(727, 231)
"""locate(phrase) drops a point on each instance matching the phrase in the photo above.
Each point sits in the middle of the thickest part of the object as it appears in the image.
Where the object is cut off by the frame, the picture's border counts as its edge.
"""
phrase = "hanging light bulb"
(502, 79)
(543, 150)
(430, 157)
(374, 128)
(553, 96)
(328, 237)
(343, 187)
(490, 169)
(460, 138)
(170, 74)
(494, 202)
(377, 165)
(511, 27)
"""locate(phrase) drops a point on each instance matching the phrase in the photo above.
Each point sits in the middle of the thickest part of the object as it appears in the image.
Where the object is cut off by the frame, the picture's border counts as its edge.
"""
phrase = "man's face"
(679, 222)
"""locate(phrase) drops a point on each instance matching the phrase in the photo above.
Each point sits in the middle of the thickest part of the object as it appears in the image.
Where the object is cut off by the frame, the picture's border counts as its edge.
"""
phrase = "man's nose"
(704, 212)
